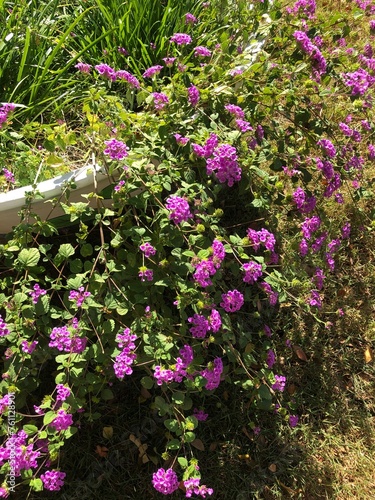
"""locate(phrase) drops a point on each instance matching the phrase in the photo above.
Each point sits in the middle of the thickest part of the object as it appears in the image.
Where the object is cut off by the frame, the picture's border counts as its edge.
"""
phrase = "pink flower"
(232, 301)
(181, 39)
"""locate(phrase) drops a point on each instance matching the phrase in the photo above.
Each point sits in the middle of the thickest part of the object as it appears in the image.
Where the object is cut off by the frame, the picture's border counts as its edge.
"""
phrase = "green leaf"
(174, 444)
(172, 424)
(49, 417)
(106, 394)
(60, 378)
(29, 257)
(178, 398)
(147, 382)
(189, 437)
(30, 429)
(66, 250)
(183, 462)
(36, 484)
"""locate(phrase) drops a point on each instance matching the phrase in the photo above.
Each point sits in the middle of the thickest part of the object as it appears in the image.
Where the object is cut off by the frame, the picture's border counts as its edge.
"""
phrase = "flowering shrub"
(226, 195)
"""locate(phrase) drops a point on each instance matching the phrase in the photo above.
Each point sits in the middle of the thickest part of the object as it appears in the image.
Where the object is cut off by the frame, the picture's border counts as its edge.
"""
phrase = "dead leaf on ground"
(212, 447)
(107, 432)
(300, 353)
(291, 389)
(273, 467)
(102, 451)
(368, 355)
(141, 448)
(198, 444)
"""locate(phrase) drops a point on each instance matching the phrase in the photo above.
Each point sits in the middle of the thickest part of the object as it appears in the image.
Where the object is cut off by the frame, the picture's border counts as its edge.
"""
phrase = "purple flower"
(116, 150)
(160, 100)
(150, 72)
(232, 301)
(147, 249)
(193, 487)
(318, 278)
(3, 328)
(253, 271)
(200, 415)
(169, 61)
(243, 125)
(146, 274)
(53, 480)
(328, 147)
(9, 176)
(271, 358)
(106, 71)
(310, 225)
(63, 392)
(345, 230)
(165, 481)
(224, 164)
(179, 209)
(201, 326)
(279, 384)
(190, 19)
(181, 140)
(359, 81)
(180, 39)
(193, 95)
(67, 339)
(202, 51)
(215, 320)
(36, 293)
(315, 300)
(62, 421)
(293, 420)
(213, 374)
(235, 110)
(123, 362)
(79, 295)
(203, 271)
(29, 347)
(83, 67)
(128, 77)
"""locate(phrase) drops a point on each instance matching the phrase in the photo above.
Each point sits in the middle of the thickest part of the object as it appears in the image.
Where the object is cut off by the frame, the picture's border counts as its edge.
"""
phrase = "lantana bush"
(234, 165)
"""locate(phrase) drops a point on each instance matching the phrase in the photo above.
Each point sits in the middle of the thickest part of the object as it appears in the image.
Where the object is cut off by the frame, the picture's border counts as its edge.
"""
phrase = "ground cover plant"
(207, 329)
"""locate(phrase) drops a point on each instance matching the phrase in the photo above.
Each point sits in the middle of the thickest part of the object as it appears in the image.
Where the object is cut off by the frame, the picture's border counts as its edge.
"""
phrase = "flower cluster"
(79, 296)
(116, 150)
(180, 39)
(22, 455)
(203, 325)
(224, 164)
(154, 70)
(279, 384)
(193, 95)
(359, 81)
(36, 293)
(124, 360)
(62, 421)
(261, 237)
(146, 274)
(147, 249)
(63, 392)
(83, 67)
(165, 481)
(178, 372)
(253, 271)
(128, 77)
(237, 111)
(232, 301)
(272, 295)
(160, 100)
(53, 480)
(318, 61)
(5, 110)
(179, 209)
(9, 176)
(202, 51)
(193, 487)
(4, 330)
(213, 374)
(66, 338)
(106, 71)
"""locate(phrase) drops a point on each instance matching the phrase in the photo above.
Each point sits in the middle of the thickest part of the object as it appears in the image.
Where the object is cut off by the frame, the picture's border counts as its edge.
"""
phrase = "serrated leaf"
(66, 250)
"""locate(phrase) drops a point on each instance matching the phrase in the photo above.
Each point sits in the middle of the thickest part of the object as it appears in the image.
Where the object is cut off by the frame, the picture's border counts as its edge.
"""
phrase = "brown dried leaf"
(272, 468)
(107, 432)
(141, 448)
(198, 444)
(368, 355)
(102, 451)
(212, 447)
(291, 389)
(300, 353)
